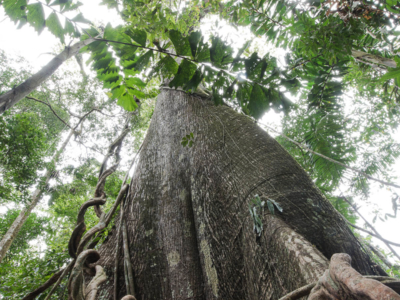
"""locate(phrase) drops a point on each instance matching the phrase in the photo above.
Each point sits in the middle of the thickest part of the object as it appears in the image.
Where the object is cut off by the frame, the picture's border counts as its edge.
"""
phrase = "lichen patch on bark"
(212, 276)
(173, 258)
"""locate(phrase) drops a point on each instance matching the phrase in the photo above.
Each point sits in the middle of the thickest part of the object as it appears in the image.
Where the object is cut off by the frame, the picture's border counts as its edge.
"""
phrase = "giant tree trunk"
(189, 227)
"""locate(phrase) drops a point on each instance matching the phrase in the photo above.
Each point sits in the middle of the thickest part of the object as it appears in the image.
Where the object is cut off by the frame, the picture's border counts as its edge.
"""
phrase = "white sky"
(26, 43)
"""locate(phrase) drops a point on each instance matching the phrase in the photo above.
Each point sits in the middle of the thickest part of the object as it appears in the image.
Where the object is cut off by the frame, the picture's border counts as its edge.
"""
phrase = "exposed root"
(128, 297)
(341, 281)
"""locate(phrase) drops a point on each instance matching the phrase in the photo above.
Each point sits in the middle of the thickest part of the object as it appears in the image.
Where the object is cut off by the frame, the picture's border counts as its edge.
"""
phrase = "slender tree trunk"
(190, 232)
(8, 99)
(16, 226)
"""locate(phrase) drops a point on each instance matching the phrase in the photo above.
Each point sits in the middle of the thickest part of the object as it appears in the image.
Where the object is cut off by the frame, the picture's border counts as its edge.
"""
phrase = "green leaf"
(217, 51)
(168, 66)
(135, 81)
(270, 207)
(36, 16)
(142, 62)
(276, 205)
(110, 33)
(69, 27)
(393, 73)
(194, 82)
(194, 40)
(110, 80)
(138, 35)
(103, 63)
(203, 52)
(185, 73)
(137, 93)
(258, 103)
(127, 102)
(118, 91)
(255, 67)
(220, 53)
(181, 44)
(80, 19)
(126, 52)
(15, 9)
(217, 97)
(54, 26)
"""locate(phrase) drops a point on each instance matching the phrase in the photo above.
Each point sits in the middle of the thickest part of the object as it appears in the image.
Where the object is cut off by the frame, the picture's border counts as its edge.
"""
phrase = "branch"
(10, 98)
(372, 234)
(377, 235)
(54, 112)
(330, 159)
(380, 255)
(300, 292)
(32, 295)
(65, 272)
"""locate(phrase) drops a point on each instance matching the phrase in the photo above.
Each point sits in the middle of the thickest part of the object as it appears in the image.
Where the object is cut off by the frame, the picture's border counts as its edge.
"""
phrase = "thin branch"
(304, 62)
(300, 292)
(272, 20)
(54, 112)
(330, 159)
(148, 48)
(380, 255)
(88, 147)
(65, 272)
(372, 234)
(377, 235)
(32, 295)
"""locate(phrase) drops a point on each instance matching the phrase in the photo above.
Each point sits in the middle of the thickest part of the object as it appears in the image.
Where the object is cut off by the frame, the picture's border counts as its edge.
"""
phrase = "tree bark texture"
(373, 59)
(16, 226)
(190, 232)
(10, 98)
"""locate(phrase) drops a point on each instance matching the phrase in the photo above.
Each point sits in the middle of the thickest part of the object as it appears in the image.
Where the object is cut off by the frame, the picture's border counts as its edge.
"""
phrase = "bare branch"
(330, 159)
(54, 112)
(377, 235)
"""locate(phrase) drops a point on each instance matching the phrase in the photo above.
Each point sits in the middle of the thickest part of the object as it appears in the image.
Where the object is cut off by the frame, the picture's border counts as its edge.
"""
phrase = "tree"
(185, 224)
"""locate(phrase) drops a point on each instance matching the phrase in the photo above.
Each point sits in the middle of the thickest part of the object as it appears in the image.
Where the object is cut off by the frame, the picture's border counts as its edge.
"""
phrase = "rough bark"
(189, 227)
(373, 60)
(16, 226)
(8, 99)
